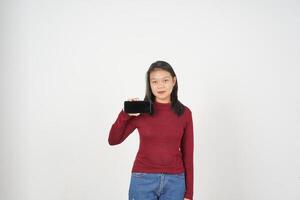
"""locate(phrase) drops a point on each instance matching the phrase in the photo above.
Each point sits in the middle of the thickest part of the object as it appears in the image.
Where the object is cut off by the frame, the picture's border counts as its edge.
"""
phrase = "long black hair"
(177, 106)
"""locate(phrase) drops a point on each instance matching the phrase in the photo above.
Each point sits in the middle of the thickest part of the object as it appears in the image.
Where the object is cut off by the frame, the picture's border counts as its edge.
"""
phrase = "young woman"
(163, 166)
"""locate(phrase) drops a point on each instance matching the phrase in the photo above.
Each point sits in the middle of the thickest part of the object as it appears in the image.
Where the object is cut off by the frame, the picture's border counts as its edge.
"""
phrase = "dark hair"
(177, 106)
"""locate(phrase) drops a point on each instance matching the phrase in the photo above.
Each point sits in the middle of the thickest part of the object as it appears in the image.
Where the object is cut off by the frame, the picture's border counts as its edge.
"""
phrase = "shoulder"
(187, 116)
(187, 112)
(186, 109)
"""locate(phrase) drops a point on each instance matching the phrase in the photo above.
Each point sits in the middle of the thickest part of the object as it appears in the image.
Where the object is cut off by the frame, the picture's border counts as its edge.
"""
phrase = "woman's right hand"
(133, 99)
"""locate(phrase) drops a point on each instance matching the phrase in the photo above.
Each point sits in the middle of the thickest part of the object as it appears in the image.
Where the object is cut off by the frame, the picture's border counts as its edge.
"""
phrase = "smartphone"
(137, 106)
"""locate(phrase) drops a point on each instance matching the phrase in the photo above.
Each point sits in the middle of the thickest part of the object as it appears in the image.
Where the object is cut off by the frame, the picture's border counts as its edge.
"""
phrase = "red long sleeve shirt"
(166, 141)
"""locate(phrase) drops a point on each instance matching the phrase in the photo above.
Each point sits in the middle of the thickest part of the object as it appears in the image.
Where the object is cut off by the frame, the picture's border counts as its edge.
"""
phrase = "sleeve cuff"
(188, 197)
(124, 116)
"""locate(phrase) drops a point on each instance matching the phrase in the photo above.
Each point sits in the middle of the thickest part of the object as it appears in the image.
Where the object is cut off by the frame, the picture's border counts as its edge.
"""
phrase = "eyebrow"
(163, 77)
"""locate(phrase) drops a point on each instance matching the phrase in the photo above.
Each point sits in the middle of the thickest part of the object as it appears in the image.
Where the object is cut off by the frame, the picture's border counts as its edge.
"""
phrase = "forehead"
(159, 74)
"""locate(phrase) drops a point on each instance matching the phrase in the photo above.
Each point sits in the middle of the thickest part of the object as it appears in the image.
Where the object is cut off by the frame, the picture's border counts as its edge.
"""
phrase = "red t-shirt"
(166, 141)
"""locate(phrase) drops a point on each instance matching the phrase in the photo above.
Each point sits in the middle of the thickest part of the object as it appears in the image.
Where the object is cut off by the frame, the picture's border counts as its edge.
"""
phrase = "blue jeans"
(156, 186)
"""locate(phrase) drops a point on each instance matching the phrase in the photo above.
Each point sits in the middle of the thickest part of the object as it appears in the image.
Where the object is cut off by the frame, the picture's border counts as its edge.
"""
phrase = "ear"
(174, 80)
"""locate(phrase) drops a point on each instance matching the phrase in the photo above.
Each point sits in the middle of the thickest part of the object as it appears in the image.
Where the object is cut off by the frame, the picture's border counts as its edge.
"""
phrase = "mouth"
(161, 92)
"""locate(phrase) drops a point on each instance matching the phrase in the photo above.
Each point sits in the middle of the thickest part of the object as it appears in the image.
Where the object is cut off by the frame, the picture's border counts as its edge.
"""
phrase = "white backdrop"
(67, 66)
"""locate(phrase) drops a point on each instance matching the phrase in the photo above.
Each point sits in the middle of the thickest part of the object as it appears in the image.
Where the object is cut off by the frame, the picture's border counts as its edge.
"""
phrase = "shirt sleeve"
(121, 128)
(187, 147)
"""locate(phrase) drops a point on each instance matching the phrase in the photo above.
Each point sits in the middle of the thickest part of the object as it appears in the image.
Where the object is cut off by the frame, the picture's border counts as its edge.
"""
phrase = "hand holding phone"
(135, 106)
(132, 99)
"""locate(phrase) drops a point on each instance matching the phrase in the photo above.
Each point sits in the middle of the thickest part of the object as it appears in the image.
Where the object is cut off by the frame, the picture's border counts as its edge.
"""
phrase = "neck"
(161, 105)
(163, 100)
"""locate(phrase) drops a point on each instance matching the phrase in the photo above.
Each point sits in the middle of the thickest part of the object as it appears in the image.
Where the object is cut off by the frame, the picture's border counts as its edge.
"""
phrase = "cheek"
(152, 88)
(170, 87)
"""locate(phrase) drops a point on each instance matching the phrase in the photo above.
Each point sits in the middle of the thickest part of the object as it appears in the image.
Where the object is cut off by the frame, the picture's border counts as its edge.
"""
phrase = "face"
(162, 84)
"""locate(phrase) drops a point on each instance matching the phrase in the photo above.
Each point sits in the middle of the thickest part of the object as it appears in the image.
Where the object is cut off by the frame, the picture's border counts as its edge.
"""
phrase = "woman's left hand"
(186, 199)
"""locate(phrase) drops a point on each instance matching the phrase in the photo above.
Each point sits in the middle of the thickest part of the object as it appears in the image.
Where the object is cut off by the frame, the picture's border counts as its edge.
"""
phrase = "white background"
(67, 66)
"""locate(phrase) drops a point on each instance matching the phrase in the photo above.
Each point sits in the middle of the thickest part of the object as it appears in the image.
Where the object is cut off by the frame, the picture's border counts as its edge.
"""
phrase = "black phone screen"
(137, 106)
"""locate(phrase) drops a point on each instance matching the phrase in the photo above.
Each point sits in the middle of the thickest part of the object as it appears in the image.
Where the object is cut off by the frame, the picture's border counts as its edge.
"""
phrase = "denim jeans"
(156, 186)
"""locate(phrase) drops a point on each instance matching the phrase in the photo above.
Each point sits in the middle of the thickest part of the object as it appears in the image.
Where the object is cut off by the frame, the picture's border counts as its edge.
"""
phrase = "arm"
(187, 146)
(122, 128)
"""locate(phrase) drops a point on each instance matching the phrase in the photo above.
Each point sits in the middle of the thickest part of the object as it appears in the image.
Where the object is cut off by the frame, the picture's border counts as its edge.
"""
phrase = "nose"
(161, 83)
(160, 86)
